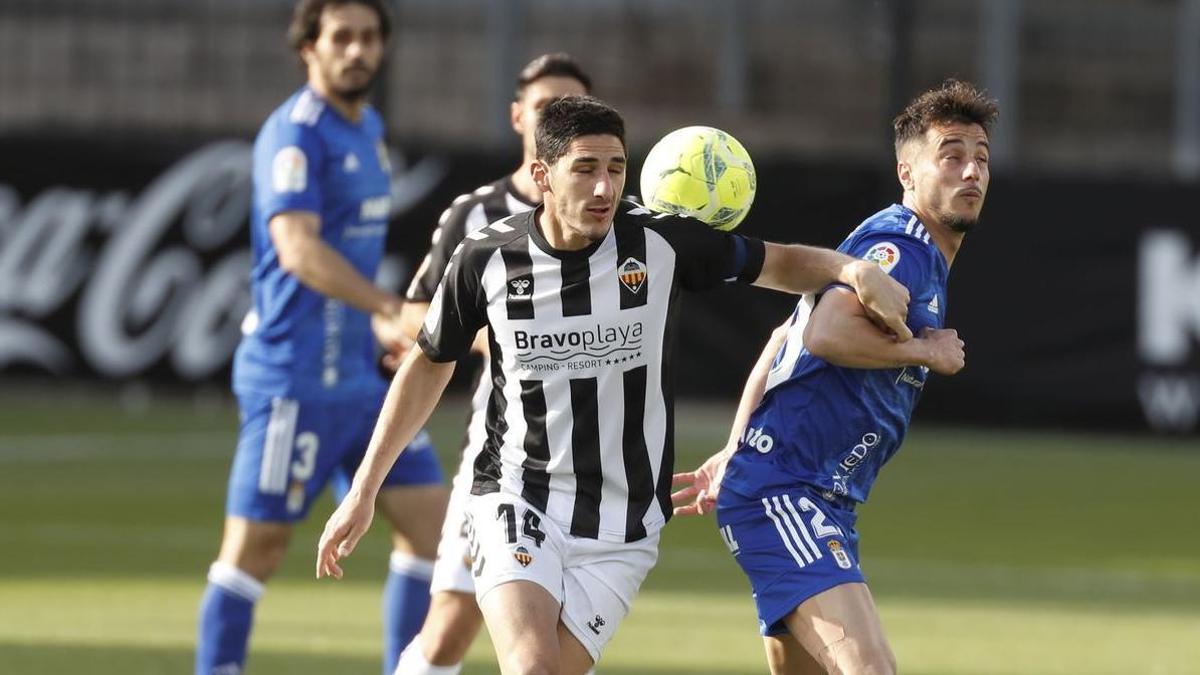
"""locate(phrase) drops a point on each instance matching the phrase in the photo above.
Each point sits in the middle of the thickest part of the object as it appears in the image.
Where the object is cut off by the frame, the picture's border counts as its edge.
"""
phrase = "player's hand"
(947, 351)
(390, 333)
(696, 491)
(342, 532)
(884, 298)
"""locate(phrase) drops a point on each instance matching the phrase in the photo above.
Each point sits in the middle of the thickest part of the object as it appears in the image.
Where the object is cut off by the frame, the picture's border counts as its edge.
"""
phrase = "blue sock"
(405, 603)
(226, 615)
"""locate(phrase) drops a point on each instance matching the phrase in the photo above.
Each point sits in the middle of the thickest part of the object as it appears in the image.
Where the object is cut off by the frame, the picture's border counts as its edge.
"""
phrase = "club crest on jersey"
(523, 556)
(839, 554)
(519, 287)
(886, 254)
(632, 273)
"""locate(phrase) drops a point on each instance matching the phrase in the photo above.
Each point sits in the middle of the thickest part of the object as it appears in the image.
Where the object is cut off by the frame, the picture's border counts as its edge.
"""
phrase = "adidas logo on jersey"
(351, 164)
(933, 305)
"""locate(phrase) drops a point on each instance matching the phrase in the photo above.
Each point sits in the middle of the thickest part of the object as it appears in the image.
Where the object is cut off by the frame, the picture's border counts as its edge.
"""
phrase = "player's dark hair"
(566, 118)
(558, 64)
(305, 26)
(954, 101)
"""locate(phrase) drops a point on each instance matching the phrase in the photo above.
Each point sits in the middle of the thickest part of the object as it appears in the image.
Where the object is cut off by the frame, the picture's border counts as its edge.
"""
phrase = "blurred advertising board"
(1079, 301)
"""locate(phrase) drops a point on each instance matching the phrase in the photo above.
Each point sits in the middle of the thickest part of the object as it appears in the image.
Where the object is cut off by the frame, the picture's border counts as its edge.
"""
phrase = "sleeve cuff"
(755, 252)
(431, 351)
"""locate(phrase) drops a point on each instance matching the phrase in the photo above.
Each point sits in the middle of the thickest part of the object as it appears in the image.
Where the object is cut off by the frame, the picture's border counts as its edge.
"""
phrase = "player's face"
(585, 185)
(344, 58)
(526, 111)
(949, 174)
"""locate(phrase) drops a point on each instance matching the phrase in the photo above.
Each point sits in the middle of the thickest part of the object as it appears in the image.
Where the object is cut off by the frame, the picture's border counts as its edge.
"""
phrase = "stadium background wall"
(1079, 300)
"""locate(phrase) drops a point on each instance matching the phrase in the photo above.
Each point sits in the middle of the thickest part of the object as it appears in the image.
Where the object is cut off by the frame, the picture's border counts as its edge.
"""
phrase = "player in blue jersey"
(831, 398)
(305, 373)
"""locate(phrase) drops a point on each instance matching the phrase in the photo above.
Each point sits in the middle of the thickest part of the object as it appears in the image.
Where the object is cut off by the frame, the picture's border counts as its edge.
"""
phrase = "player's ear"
(541, 175)
(306, 52)
(904, 173)
(514, 116)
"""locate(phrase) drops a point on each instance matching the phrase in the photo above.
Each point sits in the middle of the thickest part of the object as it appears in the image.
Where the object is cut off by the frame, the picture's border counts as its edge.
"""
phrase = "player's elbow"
(819, 340)
(292, 259)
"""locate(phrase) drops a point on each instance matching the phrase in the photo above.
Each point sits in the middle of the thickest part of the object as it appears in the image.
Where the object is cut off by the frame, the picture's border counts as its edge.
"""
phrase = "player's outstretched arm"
(840, 332)
(806, 269)
(696, 491)
(304, 255)
(410, 400)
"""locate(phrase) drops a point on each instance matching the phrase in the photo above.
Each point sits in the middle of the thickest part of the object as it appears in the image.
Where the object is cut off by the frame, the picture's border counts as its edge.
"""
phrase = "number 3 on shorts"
(530, 524)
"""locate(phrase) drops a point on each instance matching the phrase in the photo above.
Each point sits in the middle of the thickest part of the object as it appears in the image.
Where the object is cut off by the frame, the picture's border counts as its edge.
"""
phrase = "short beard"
(959, 224)
(353, 95)
(356, 95)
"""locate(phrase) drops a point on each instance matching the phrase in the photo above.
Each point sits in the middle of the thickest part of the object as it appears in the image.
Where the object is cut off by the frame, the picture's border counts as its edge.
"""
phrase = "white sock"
(412, 662)
(235, 581)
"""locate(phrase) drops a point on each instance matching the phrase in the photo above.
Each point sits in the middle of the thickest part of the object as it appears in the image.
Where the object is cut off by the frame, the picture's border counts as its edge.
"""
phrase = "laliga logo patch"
(518, 287)
(632, 273)
(523, 556)
(886, 254)
(839, 554)
(289, 170)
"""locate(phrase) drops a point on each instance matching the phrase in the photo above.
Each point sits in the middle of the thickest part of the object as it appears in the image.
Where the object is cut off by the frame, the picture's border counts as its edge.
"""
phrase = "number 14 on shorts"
(531, 528)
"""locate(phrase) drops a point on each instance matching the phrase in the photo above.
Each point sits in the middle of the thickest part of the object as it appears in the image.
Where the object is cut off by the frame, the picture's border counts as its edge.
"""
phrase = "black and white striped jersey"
(580, 421)
(467, 213)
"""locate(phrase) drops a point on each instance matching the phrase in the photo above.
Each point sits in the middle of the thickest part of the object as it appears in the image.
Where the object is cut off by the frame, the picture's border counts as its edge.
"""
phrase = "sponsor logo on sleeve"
(289, 170)
(759, 440)
(886, 254)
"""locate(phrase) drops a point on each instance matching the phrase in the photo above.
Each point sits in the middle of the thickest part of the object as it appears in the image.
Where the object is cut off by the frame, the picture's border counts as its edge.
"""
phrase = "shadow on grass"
(47, 659)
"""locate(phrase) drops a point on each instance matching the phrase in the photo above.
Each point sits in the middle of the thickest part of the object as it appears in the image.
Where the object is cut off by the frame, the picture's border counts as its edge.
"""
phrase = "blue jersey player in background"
(305, 373)
(831, 398)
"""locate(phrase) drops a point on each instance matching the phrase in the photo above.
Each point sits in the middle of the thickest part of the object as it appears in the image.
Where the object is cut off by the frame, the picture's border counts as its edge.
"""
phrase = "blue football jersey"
(298, 343)
(830, 427)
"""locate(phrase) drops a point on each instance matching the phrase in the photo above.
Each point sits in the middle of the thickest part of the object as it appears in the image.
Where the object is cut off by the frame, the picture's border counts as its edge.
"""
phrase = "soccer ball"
(700, 172)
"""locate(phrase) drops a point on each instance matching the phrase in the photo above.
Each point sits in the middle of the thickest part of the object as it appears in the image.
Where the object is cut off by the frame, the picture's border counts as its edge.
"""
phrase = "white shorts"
(452, 569)
(594, 581)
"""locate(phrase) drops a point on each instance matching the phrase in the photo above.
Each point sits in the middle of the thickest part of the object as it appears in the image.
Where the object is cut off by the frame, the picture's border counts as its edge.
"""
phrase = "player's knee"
(873, 658)
(451, 626)
(539, 667)
(446, 646)
(418, 544)
(257, 552)
(416, 514)
(531, 660)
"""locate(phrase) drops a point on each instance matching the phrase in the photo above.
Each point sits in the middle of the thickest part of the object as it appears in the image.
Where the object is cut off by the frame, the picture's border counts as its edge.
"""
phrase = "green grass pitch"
(988, 552)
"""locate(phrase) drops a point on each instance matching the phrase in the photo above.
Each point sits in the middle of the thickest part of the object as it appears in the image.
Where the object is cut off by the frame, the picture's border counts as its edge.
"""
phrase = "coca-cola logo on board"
(160, 277)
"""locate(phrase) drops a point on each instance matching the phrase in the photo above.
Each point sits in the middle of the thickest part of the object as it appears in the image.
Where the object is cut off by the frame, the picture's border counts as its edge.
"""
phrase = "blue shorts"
(792, 544)
(288, 450)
